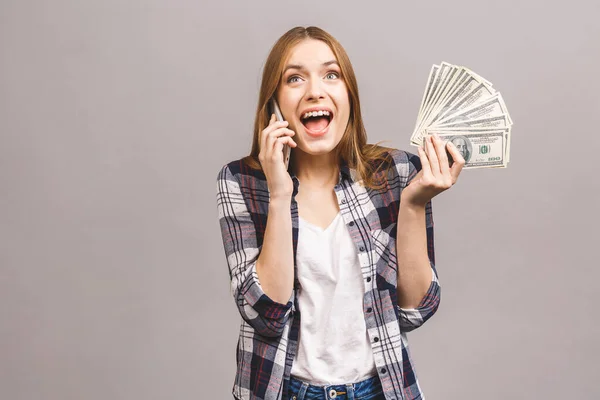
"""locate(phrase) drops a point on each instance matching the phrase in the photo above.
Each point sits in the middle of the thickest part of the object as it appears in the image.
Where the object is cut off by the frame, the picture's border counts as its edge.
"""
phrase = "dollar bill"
(428, 88)
(446, 97)
(470, 130)
(498, 121)
(449, 104)
(457, 101)
(480, 78)
(469, 106)
(443, 81)
(455, 77)
(480, 150)
(433, 84)
(492, 107)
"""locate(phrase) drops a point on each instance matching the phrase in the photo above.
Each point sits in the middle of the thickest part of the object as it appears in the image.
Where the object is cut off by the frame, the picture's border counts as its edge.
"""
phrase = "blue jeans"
(369, 389)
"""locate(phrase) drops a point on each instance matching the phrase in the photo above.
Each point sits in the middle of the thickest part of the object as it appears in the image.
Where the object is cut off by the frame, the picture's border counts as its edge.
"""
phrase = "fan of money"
(462, 107)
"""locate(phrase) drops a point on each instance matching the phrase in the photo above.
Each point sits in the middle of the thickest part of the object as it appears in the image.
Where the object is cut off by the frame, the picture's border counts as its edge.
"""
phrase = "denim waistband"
(368, 389)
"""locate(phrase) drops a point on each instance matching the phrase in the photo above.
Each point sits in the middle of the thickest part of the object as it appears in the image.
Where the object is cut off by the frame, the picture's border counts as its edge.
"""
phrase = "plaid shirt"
(269, 330)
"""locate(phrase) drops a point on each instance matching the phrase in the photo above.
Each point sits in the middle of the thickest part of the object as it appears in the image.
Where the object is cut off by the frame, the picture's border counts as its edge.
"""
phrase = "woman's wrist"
(283, 200)
(412, 208)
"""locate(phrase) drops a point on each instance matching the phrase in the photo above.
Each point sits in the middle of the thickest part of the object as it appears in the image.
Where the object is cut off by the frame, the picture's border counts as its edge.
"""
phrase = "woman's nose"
(314, 90)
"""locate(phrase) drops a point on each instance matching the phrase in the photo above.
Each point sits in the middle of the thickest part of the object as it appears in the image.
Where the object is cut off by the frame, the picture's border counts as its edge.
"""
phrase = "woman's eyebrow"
(302, 68)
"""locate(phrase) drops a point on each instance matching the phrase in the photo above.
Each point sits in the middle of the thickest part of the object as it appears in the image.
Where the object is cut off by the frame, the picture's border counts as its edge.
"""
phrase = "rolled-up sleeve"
(412, 318)
(238, 232)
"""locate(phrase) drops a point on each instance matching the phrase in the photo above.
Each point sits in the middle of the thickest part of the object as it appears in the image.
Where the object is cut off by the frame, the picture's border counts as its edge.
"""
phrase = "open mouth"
(316, 121)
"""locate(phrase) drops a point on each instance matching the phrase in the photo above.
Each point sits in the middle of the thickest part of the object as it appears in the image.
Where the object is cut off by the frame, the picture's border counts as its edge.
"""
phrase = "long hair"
(366, 159)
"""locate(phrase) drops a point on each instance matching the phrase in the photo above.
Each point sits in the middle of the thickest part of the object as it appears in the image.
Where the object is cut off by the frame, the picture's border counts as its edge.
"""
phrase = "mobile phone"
(286, 148)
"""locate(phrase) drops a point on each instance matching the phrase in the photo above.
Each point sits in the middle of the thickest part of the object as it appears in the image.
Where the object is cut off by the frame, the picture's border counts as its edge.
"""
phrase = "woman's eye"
(334, 74)
(291, 79)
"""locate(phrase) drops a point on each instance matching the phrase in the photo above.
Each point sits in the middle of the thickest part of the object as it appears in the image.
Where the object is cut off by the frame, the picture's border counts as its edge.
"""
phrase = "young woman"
(331, 260)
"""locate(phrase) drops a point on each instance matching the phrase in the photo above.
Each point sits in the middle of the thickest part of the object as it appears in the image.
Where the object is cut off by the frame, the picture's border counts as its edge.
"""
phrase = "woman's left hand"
(436, 175)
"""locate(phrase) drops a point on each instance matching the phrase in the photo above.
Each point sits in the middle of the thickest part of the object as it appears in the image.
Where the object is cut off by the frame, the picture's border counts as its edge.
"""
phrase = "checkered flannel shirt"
(269, 330)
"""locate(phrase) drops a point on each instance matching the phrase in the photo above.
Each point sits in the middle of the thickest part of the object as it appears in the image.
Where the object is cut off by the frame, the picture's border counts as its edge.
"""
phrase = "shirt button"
(369, 309)
(376, 339)
(362, 248)
(351, 223)
(383, 370)
(369, 279)
(343, 201)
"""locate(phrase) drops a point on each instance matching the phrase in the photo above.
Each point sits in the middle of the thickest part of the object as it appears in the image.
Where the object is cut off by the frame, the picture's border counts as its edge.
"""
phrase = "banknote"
(456, 100)
(496, 121)
(491, 107)
(444, 77)
(469, 130)
(449, 84)
(479, 149)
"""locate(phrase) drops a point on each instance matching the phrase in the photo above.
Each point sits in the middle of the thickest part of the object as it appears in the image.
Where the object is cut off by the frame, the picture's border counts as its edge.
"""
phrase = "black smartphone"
(286, 148)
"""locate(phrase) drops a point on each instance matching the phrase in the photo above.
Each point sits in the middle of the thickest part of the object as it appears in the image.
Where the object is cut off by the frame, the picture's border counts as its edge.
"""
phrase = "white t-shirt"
(333, 346)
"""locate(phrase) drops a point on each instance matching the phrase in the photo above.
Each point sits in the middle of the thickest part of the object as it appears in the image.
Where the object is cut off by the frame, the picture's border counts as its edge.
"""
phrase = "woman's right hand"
(272, 139)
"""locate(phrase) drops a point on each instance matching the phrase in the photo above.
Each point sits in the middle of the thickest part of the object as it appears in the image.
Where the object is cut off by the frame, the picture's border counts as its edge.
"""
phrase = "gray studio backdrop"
(115, 117)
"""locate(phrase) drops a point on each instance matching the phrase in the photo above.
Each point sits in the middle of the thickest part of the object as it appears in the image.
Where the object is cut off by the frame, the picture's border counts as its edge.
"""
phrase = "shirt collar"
(346, 173)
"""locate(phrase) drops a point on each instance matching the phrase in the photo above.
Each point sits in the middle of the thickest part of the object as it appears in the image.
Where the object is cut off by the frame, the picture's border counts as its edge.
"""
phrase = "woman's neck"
(316, 171)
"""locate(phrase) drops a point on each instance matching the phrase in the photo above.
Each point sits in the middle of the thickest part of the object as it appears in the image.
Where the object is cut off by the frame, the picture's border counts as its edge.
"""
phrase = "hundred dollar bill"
(492, 107)
(479, 77)
(482, 129)
(479, 125)
(451, 108)
(445, 77)
(430, 80)
(457, 93)
(437, 79)
(474, 96)
(475, 92)
(457, 101)
(461, 85)
(498, 121)
(480, 150)
(454, 78)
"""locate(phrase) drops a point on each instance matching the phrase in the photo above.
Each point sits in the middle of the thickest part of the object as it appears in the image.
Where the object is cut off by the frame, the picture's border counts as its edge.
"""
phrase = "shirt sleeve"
(412, 318)
(238, 231)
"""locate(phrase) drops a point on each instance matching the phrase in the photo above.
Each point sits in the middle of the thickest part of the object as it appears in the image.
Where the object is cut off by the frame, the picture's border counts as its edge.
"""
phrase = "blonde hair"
(365, 158)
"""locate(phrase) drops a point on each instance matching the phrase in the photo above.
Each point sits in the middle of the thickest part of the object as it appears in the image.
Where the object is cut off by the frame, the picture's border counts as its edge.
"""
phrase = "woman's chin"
(317, 148)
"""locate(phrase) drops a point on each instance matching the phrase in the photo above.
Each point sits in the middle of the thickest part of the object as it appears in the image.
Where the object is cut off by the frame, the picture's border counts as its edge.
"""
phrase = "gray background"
(115, 117)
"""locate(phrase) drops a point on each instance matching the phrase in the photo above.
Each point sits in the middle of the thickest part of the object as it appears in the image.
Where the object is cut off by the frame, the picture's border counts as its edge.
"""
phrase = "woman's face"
(313, 97)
